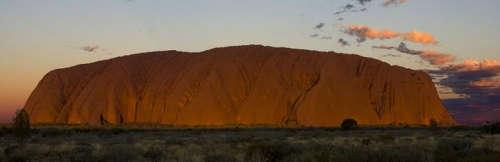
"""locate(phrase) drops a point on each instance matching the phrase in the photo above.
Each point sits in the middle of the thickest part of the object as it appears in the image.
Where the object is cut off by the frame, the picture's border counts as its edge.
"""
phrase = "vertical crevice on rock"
(194, 87)
(291, 118)
(253, 81)
(120, 120)
(102, 120)
(384, 103)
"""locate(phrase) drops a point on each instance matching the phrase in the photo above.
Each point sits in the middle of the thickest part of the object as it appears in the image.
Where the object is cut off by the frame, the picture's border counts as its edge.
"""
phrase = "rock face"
(244, 85)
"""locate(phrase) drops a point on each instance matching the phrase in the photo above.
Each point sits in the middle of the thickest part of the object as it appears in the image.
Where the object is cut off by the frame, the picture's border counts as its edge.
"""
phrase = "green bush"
(349, 124)
(21, 125)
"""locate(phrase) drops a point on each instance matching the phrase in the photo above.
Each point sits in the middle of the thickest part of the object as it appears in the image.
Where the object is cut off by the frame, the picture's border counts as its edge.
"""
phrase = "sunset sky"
(457, 40)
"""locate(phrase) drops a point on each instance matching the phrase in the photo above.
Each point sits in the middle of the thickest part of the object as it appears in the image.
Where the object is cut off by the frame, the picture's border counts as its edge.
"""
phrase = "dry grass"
(53, 143)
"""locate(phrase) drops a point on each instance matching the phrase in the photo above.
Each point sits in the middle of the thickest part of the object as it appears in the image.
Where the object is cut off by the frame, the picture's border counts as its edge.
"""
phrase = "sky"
(455, 41)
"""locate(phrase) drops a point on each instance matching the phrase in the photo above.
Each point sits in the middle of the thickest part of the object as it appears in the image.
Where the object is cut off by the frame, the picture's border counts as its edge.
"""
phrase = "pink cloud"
(419, 37)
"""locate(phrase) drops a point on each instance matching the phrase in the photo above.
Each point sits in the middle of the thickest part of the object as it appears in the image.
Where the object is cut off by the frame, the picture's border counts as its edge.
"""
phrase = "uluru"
(249, 85)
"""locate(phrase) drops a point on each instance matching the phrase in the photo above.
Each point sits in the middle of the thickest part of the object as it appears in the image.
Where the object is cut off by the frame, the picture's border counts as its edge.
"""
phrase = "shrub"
(15, 154)
(156, 153)
(457, 128)
(493, 128)
(219, 158)
(121, 152)
(21, 125)
(398, 153)
(349, 124)
(4, 131)
(350, 153)
(366, 141)
(268, 152)
(433, 124)
(386, 138)
(451, 149)
(82, 153)
(481, 155)
(314, 152)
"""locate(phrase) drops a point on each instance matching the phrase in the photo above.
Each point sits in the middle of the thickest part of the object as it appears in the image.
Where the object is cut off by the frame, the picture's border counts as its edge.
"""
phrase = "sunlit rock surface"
(237, 86)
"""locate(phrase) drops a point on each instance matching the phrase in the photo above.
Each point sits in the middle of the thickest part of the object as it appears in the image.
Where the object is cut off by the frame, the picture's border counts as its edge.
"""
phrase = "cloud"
(383, 47)
(475, 65)
(393, 2)
(348, 7)
(343, 42)
(339, 12)
(492, 82)
(360, 6)
(419, 37)
(90, 48)
(391, 55)
(319, 26)
(436, 58)
(364, 32)
(344, 9)
(473, 75)
(478, 80)
(432, 57)
(94, 49)
(467, 111)
(404, 49)
(314, 35)
(363, 2)
(327, 37)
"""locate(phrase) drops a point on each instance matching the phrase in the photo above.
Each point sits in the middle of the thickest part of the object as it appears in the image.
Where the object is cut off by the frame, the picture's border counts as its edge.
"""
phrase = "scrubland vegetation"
(64, 143)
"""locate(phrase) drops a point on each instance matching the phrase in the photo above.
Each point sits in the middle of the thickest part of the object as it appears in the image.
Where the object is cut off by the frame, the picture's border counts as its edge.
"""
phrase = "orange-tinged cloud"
(492, 67)
(493, 82)
(419, 37)
(436, 58)
(476, 65)
(480, 79)
(363, 33)
(374, 33)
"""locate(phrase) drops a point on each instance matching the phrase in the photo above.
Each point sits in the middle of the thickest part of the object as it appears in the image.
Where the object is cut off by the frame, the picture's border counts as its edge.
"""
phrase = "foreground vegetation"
(58, 143)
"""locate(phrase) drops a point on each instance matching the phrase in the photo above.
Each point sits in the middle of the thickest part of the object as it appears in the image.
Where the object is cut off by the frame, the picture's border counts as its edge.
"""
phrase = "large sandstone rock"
(244, 85)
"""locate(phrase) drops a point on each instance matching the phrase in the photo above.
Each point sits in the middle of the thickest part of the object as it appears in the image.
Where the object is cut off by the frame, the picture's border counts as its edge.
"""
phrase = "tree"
(349, 124)
(21, 125)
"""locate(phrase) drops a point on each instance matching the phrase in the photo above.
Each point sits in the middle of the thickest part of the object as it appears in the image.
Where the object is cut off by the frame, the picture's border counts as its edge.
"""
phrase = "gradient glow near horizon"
(41, 35)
